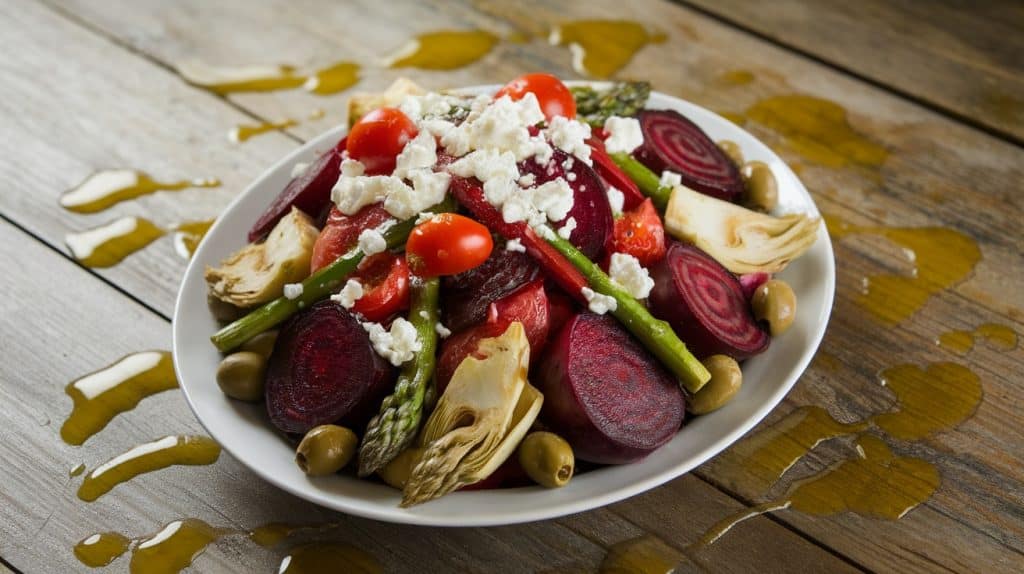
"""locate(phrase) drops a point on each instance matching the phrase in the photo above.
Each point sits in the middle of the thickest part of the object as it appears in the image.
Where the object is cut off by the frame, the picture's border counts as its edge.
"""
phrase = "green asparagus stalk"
(316, 287)
(656, 335)
(622, 99)
(645, 179)
(393, 429)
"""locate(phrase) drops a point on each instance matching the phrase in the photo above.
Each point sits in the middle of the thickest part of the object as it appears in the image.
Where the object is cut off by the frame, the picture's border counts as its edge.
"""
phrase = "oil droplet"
(109, 187)
(99, 397)
(518, 37)
(319, 557)
(723, 526)
(928, 400)
(876, 484)
(227, 80)
(1000, 337)
(77, 470)
(942, 257)
(444, 50)
(335, 78)
(957, 341)
(756, 463)
(818, 130)
(243, 132)
(173, 548)
(736, 78)
(188, 235)
(148, 457)
(272, 534)
(101, 549)
(108, 244)
(602, 47)
(644, 555)
(827, 361)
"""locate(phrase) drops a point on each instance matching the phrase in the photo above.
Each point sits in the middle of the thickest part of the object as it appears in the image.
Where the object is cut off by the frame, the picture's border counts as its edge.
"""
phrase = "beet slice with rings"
(466, 296)
(310, 192)
(324, 370)
(705, 305)
(674, 143)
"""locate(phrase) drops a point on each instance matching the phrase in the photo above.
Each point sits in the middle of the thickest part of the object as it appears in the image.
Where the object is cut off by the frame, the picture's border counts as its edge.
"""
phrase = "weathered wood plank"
(966, 59)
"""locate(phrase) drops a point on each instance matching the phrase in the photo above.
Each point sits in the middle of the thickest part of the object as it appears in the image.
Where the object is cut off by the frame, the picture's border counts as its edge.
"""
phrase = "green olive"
(222, 310)
(326, 449)
(547, 459)
(262, 344)
(725, 382)
(732, 149)
(398, 471)
(240, 376)
(775, 302)
(762, 190)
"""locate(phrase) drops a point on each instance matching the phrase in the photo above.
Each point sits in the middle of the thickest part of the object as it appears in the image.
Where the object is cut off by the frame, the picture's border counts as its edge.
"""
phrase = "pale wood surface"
(89, 85)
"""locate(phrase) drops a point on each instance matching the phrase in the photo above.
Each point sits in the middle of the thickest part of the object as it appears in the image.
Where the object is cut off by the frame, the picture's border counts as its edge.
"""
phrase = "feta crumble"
(352, 167)
(616, 199)
(442, 331)
(351, 194)
(428, 189)
(527, 180)
(670, 179)
(515, 245)
(397, 345)
(598, 302)
(349, 294)
(424, 217)
(570, 136)
(626, 271)
(566, 230)
(371, 242)
(624, 134)
(299, 169)
(419, 153)
(502, 124)
(292, 290)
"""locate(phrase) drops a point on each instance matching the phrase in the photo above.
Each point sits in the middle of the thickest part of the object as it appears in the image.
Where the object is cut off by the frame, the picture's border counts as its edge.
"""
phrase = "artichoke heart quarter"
(484, 412)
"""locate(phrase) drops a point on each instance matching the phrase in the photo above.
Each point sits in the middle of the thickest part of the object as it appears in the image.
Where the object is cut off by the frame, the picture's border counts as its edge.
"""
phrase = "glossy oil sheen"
(173, 548)
(323, 557)
(603, 47)
(108, 244)
(99, 397)
(331, 79)
(445, 50)
(942, 257)
(929, 400)
(188, 235)
(272, 534)
(145, 458)
(106, 188)
(243, 132)
(101, 549)
(998, 336)
(76, 470)
(644, 555)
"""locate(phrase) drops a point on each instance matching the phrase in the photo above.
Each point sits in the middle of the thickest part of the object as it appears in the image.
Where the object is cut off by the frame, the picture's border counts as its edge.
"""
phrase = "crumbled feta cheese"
(570, 176)
(626, 270)
(372, 242)
(670, 179)
(570, 136)
(431, 104)
(515, 245)
(352, 168)
(420, 152)
(598, 302)
(292, 290)
(616, 199)
(351, 194)
(527, 180)
(424, 314)
(495, 169)
(555, 198)
(428, 189)
(545, 231)
(424, 217)
(442, 331)
(566, 230)
(502, 125)
(349, 294)
(624, 134)
(397, 345)
(299, 169)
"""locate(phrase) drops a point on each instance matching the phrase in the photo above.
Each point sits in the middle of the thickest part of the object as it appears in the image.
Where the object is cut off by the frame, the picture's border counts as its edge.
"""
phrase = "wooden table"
(936, 86)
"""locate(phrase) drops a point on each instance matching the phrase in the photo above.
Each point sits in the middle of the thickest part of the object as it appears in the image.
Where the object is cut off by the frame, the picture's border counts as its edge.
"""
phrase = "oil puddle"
(145, 458)
(101, 549)
(444, 50)
(999, 337)
(733, 78)
(936, 398)
(600, 48)
(643, 555)
(106, 188)
(99, 397)
(223, 80)
(942, 257)
(76, 470)
(108, 244)
(245, 132)
(188, 235)
(320, 557)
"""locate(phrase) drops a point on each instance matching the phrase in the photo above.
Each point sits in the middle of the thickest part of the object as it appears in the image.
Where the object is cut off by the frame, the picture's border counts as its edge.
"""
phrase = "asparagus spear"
(656, 335)
(622, 99)
(645, 179)
(315, 287)
(393, 429)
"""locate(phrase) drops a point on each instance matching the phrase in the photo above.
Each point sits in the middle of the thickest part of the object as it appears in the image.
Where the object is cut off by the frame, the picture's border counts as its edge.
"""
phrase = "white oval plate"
(244, 431)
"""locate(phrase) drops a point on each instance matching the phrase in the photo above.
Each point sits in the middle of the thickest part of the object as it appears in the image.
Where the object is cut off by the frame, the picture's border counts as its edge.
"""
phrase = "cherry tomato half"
(554, 97)
(447, 244)
(378, 138)
(639, 233)
(342, 231)
(385, 279)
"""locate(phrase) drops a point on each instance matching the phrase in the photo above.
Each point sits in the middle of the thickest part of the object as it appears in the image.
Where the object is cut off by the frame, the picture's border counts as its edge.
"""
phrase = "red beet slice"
(751, 281)
(605, 394)
(675, 143)
(705, 305)
(324, 370)
(590, 206)
(310, 192)
(466, 296)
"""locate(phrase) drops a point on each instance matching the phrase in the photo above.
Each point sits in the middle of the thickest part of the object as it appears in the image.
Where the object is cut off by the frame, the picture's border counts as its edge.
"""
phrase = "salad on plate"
(478, 291)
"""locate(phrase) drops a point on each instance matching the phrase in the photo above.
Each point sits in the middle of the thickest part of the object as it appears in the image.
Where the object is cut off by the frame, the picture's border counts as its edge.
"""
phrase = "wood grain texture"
(964, 58)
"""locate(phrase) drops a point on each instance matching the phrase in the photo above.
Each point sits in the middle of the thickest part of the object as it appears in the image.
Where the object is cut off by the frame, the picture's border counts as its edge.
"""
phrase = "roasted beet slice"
(324, 370)
(605, 394)
(675, 143)
(310, 192)
(590, 207)
(751, 281)
(466, 296)
(705, 304)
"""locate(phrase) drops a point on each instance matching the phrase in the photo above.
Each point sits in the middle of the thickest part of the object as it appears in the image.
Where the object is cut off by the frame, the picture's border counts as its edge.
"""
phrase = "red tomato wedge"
(639, 233)
(447, 244)
(341, 233)
(378, 138)
(385, 280)
(554, 97)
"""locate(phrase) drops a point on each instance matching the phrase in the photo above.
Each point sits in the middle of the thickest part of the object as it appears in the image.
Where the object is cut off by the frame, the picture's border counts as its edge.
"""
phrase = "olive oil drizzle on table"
(106, 188)
(444, 50)
(110, 243)
(322, 557)
(331, 79)
(600, 48)
(1000, 337)
(145, 458)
